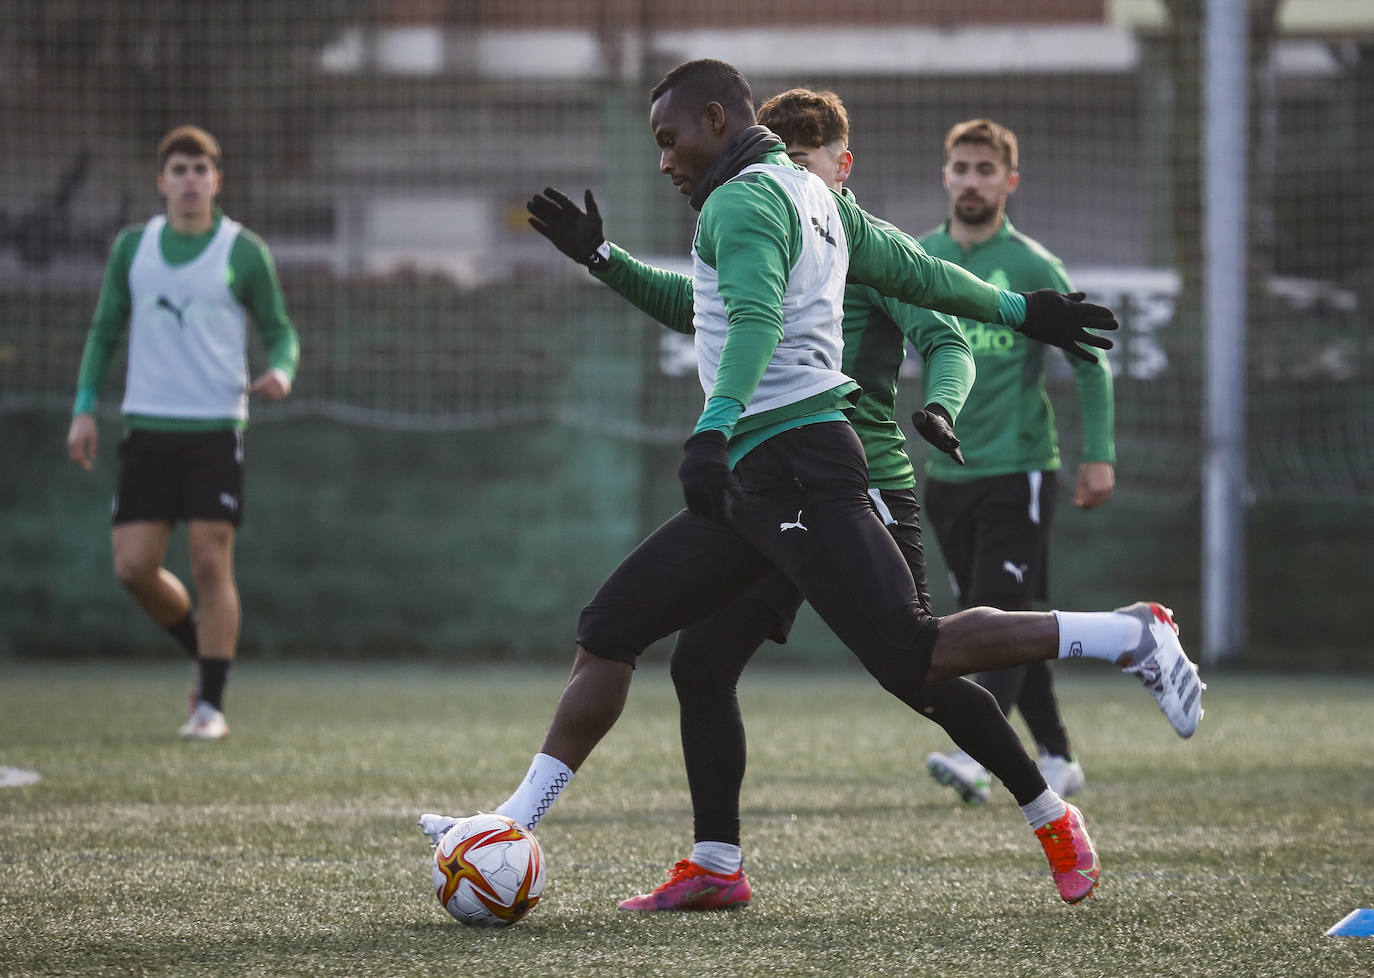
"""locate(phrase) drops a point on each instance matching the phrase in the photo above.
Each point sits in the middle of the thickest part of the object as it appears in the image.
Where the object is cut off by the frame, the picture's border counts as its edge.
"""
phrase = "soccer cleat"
(1073, 860)
(1161, 664)
(962, 773)
(1064, 775)
(435, 827)
(205, 723)
(692, 887)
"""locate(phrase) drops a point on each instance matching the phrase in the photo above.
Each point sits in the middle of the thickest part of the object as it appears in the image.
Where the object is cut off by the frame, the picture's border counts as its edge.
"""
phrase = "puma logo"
(784, 527)
(165, 303)
(228, 501)
(1017, 572)
(824, 232)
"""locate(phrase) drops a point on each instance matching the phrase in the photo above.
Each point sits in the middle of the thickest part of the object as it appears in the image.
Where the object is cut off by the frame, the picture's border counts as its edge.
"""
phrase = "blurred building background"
(479, 431)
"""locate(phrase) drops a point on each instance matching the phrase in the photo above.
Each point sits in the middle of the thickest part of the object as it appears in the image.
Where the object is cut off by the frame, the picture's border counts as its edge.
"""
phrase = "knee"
(134, 573)
(211, 563)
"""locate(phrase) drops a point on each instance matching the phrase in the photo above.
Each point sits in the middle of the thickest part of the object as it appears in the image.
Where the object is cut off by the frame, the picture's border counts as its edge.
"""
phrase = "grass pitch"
(291, 849)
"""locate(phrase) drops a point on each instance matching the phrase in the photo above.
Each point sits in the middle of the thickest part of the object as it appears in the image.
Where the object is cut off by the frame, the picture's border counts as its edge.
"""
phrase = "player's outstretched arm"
(663, 295)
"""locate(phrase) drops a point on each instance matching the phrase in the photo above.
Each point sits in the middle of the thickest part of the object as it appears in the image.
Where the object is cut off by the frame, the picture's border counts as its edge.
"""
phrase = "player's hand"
(273, 385)
(1064, 320)
(83, 439)
(934, 425)
(1096, 480)
(578, 235)
(707, 482)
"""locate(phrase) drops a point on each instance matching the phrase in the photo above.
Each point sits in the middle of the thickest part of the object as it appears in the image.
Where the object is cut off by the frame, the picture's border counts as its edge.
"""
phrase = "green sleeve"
(255, 285)
(892, 262)
(749, 233)
(1094, 383)
(110, 322)
(663, 295)
(946, 357)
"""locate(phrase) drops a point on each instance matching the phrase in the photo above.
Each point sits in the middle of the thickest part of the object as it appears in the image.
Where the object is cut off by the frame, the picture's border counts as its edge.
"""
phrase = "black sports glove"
(934, 425)
(1059, 320)
(707, 481)
(574, 233)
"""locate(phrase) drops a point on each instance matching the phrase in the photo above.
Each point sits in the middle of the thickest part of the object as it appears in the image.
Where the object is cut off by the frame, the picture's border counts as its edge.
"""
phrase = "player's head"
(980, 171)
(815, 127)
(188, 172)
(694, 112)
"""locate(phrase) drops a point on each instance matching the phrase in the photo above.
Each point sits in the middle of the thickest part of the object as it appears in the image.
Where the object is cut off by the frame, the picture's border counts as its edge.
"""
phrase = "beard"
(975, 211)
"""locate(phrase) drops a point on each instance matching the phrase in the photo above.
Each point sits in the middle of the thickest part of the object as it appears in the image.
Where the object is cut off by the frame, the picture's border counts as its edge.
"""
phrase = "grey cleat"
(1163, 667)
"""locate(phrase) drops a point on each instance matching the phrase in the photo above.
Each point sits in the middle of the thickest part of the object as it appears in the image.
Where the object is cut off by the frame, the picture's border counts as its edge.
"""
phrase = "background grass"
(291, 848)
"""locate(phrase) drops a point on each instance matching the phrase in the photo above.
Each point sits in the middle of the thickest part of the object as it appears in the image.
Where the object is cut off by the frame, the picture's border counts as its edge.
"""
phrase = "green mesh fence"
(385, 150)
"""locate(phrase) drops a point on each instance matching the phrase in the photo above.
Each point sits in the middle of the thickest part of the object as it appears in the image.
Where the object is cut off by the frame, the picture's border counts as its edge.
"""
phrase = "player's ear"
(715, 117)
(1013, 180)
(844, 164)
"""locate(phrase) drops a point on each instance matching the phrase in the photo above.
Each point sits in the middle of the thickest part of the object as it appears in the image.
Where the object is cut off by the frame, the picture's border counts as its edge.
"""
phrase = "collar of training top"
(748, 146)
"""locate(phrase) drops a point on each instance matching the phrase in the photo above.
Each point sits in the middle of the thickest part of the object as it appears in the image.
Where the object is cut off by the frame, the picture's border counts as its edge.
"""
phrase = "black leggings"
(710, 656)
(803, 510)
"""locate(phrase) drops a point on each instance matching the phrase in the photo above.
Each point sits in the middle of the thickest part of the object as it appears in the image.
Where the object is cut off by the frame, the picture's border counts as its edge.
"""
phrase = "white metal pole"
(1224, 179)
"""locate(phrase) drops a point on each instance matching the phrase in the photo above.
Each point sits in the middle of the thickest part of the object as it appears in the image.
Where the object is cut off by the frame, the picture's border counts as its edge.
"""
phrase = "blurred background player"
(992, 515)
(184, 286)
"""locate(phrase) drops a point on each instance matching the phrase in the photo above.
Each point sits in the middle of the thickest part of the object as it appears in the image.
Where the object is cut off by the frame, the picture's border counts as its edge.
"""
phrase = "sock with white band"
(1046, 807)
(1096, 634)
(721, 858)
(544, 782)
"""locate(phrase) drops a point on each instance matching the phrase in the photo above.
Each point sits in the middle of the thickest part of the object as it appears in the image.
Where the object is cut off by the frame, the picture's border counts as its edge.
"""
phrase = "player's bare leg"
(212, 570)
(1142, 639)
(985, 638)
(590, 705)
(139, 549)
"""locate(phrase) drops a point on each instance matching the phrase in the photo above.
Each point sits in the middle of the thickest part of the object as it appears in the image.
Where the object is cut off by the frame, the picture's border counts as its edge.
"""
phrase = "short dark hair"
(984, 132)
(708, 80)
(189, 140)
(809, 118)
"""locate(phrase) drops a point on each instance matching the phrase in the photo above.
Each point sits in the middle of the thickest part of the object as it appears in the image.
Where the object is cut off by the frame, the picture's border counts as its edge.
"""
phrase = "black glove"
(574, 233)
(1059, 320)
(934, 425)
(705, 474)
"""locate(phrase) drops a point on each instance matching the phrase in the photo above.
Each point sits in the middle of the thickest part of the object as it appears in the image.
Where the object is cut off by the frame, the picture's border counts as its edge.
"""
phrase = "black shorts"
(994, 534)
(804, 510)
(901, 514)
(180, 475)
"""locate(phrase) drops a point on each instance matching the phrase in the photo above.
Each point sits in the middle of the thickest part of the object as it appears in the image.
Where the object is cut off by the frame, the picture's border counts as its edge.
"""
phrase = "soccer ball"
(488, 871)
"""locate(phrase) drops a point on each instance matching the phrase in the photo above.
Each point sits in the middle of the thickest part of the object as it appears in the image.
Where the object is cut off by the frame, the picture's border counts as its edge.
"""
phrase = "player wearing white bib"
(774, 475)
(184, 286)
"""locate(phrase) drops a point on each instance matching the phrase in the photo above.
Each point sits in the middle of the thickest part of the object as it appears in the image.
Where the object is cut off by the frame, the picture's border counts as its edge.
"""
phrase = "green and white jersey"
(750, 237)
(1007, 424)
(876, 331)
(185, 302)
(807, 345)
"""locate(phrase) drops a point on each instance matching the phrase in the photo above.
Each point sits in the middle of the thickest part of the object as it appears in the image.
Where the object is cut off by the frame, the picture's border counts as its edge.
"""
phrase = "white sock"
(718, 857)
(1046, 807)
(1096, 634)
(544, 782)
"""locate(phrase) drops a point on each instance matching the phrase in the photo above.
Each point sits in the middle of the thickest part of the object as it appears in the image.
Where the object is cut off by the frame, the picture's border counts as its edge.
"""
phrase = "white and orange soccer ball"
(488, 871)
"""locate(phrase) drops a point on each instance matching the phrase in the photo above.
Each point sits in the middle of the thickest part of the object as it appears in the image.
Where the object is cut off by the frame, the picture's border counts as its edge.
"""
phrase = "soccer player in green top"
(184, 286)
(711, 654)
(992, 515)
(774, 476)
